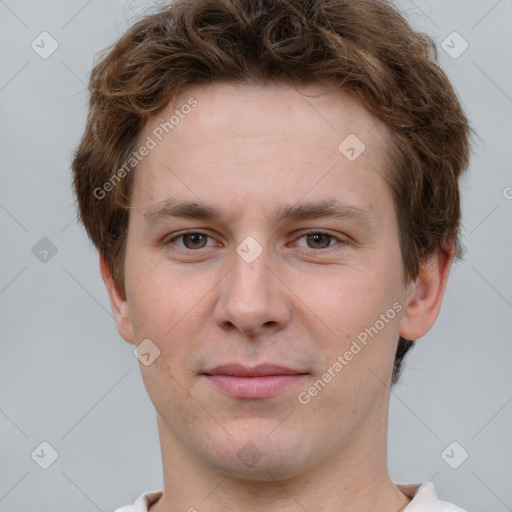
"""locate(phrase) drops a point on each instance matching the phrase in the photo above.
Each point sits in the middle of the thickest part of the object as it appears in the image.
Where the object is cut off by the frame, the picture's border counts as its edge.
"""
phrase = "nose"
(252, 298)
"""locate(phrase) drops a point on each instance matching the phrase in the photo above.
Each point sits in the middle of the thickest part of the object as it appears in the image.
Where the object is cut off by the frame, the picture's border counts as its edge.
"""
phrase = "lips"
(263, 381)
(261, 370)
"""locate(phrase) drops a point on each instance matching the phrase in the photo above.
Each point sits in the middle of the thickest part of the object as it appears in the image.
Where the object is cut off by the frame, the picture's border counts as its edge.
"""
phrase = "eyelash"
(181, 235)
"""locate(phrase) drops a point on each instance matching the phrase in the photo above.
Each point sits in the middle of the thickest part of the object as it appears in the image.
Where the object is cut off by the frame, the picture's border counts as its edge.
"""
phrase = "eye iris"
(196, 238)
(316, 237)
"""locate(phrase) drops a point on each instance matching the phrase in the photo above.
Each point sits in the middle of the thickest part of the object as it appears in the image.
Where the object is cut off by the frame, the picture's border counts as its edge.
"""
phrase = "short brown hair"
(363, 46)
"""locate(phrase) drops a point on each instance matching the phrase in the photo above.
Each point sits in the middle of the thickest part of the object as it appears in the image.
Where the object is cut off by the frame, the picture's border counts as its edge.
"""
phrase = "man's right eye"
(191, 240)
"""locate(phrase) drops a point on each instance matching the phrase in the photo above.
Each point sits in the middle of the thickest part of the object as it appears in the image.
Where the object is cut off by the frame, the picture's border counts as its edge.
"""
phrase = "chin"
(260, 454)
(267, 469)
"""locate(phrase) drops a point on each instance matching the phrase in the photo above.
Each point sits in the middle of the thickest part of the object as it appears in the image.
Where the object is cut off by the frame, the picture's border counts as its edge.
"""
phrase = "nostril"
(253, 332)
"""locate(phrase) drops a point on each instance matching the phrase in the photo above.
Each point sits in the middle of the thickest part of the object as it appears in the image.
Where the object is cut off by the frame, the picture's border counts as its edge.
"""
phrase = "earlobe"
(425, 296)
(118, 303)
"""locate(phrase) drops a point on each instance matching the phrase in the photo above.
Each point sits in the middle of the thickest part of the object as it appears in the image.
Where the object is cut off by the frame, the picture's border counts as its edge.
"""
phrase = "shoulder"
(424, 499)
(142, 503)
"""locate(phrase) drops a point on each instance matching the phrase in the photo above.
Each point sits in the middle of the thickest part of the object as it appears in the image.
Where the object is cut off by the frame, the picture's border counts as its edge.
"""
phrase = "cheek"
(156, 297)
(359, 311)
(350, 298)
(170, 310)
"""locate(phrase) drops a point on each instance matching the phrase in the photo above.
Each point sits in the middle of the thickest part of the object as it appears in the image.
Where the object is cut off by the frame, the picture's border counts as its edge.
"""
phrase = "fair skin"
(247, 151)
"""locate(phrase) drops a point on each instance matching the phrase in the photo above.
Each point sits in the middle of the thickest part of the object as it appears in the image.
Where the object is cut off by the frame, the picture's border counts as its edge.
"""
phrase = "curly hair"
(366, 47)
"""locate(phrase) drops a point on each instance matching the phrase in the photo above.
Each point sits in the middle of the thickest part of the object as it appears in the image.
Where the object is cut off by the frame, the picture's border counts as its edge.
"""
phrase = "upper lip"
(256, 371)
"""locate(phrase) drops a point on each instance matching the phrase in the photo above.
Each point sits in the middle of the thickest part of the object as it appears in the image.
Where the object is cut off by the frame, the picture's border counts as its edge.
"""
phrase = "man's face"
(210, 298)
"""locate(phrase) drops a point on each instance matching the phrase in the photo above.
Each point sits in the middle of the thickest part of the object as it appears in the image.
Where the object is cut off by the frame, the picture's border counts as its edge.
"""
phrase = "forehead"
(314, 112)
(272, 137)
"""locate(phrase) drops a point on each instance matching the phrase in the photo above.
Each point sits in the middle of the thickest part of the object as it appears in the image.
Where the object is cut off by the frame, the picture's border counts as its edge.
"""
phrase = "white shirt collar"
(423, 499)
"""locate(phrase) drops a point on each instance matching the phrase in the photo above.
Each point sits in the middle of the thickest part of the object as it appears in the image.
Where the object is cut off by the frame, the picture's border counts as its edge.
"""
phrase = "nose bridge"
(250, 296)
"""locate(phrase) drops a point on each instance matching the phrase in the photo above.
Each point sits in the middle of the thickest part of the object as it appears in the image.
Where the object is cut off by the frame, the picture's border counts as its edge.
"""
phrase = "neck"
(355, 478)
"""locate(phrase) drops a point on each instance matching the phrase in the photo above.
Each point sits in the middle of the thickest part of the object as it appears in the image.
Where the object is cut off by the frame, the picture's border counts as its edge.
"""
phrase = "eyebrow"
(332, 208)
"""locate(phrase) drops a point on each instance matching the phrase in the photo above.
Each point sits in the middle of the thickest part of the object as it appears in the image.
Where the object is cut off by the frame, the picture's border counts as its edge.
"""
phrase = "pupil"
(318, 237)
(195, 238)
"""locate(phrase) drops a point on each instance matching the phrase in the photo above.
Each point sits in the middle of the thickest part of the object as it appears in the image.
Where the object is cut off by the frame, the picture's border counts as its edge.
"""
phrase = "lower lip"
(253, 387)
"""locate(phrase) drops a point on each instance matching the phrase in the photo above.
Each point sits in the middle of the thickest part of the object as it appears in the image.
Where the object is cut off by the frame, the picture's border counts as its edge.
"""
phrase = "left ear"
(426, 294)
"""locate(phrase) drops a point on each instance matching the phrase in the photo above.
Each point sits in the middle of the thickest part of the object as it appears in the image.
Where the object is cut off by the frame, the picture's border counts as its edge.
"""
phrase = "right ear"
(118, 303)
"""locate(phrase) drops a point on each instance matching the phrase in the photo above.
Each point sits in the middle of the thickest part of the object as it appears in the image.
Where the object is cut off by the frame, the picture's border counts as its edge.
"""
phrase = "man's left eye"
(319, 240)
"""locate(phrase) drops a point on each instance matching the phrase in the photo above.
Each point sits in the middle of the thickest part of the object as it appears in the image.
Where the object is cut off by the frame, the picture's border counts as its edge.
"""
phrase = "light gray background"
(67, 378)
